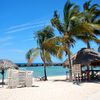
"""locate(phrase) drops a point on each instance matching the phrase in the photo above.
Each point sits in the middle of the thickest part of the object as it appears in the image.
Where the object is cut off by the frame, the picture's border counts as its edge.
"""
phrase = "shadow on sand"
(35, 86)
(78, 83)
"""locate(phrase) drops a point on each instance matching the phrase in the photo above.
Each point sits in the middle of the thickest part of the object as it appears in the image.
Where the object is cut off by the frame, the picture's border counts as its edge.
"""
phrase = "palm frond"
(57, 45)
(55, 21)
(66, 10)
(86, 37)
(46, 33)
(32, 54)
(47, 57)
(86, 5)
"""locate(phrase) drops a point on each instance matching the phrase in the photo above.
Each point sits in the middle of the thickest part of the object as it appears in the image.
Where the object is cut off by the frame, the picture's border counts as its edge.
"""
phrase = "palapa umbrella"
(6, 64)
(87, 57)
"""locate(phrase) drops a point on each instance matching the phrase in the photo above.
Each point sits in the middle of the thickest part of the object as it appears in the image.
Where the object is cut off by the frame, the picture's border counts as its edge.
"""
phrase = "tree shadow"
(2, 83)
(92, 81)
(77, 82)
(59, 80)
(35, 86)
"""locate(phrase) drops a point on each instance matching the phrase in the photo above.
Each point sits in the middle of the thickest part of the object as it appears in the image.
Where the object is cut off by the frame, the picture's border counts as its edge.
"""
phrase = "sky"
(20, 19)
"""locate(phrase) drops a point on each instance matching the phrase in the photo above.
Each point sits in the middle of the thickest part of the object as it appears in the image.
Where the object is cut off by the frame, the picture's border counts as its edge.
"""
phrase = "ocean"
(51, 70)
(39, 71)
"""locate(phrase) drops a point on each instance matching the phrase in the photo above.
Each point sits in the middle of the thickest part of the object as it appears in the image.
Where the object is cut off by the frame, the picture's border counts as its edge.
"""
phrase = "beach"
(56, 88)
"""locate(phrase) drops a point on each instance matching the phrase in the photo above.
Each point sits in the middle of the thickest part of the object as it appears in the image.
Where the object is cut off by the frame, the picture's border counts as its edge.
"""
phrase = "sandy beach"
(56, 88)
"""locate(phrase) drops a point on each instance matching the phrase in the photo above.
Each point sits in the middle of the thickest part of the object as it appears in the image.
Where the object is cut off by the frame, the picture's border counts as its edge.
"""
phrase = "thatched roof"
(5, 64)
(87, 57)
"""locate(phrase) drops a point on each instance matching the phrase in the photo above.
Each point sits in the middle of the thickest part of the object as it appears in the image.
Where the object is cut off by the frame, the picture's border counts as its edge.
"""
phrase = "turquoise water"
(39, 71)
(51, 71)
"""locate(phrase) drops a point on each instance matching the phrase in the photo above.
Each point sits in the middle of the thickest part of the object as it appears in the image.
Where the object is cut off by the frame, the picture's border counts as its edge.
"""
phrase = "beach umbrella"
(6, 64)
(87, 57)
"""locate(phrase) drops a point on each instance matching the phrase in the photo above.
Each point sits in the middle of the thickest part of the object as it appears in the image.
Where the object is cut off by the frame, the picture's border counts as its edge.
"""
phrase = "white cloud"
(26, 26)
(19, 29)
(18, 26)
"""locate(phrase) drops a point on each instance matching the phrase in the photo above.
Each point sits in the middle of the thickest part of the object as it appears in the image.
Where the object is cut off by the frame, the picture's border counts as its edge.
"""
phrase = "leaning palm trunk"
(42, 35)
(45, 72)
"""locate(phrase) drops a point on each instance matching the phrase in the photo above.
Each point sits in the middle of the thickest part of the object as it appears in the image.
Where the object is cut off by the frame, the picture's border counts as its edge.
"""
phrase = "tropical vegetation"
(76, 24)
(41, 36)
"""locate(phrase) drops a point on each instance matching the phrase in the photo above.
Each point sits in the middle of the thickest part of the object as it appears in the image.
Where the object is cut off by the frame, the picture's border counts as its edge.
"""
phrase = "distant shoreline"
(38, 64)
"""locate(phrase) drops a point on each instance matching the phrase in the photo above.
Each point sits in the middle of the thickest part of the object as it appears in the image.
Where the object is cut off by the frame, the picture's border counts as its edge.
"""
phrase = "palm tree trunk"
(43, 59)
(45, 72)
(70, 65)
(88, 74)
(70, 68)
(88, 45)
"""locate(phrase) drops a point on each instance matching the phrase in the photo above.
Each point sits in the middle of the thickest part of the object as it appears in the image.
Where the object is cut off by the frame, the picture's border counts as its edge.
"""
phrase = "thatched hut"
(87, 57)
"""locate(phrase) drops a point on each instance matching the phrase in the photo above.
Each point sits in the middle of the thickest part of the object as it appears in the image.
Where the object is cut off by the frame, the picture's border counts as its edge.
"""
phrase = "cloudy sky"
(20, 19)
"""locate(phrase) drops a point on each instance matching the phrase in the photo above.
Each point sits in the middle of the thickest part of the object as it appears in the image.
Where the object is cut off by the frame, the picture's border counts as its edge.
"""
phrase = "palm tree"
(57, 45)
(73, 25)
(91, 15)
(41, 37)
(68, 26)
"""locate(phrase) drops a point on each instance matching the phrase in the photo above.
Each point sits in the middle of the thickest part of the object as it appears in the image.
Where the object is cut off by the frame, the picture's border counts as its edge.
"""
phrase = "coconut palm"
(91, 14)
(73, 25)
(68, 25)
(41, 36)
(57, 45)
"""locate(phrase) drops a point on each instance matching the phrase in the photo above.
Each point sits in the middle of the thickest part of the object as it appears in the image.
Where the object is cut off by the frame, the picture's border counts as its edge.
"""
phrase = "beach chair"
(21, 79)
(29, 78)
(12, 78)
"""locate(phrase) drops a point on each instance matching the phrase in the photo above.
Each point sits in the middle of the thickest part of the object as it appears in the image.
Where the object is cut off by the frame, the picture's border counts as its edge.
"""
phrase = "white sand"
(53, 89)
